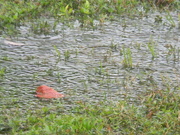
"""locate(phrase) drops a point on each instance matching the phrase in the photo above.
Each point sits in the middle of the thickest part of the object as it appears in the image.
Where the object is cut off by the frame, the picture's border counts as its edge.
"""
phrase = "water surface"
(94, 71)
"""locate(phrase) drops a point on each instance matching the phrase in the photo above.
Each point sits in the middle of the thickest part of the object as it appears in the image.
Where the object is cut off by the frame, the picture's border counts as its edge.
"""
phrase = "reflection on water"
(94, 70)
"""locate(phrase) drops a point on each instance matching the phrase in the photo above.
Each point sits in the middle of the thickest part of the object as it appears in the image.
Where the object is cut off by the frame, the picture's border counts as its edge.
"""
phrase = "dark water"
(94, 70)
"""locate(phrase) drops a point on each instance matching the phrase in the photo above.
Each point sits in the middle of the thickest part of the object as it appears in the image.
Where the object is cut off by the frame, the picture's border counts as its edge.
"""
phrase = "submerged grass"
(2, 72)
(127, 61)
(151, 47)
(158, 113)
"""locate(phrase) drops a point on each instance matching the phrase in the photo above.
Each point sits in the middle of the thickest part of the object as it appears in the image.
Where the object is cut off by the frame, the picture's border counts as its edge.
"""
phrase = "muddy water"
(94, 70)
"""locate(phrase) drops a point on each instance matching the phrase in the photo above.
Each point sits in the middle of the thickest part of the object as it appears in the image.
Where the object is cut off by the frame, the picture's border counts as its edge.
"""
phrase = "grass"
(100, 70)
(151, 46)
(154, 112)
(14, 14)
(170, 20)
(173, 52)
(67, 55)
(127, 57)
(158, 114)
(58, 53)
(41, 26)
(2, 72)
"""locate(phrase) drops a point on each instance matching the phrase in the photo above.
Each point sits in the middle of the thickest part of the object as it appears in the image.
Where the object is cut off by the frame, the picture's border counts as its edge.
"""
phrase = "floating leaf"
(44, 91)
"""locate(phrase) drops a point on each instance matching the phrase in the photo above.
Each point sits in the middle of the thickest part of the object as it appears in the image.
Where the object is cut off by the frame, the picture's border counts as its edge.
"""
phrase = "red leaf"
(44, 91)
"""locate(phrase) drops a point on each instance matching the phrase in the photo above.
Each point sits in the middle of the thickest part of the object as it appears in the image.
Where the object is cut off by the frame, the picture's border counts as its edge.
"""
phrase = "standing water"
(117, 60)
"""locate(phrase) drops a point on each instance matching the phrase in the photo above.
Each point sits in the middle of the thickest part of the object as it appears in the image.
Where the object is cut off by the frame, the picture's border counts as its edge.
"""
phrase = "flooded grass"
(37, 13)
(117, 63)
(127, 54)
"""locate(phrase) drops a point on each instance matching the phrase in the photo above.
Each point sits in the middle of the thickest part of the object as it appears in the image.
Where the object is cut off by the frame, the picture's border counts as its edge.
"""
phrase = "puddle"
(94, 70)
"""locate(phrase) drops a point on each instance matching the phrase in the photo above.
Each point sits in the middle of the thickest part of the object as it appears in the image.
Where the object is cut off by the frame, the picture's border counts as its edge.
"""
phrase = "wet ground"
(87, 65)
